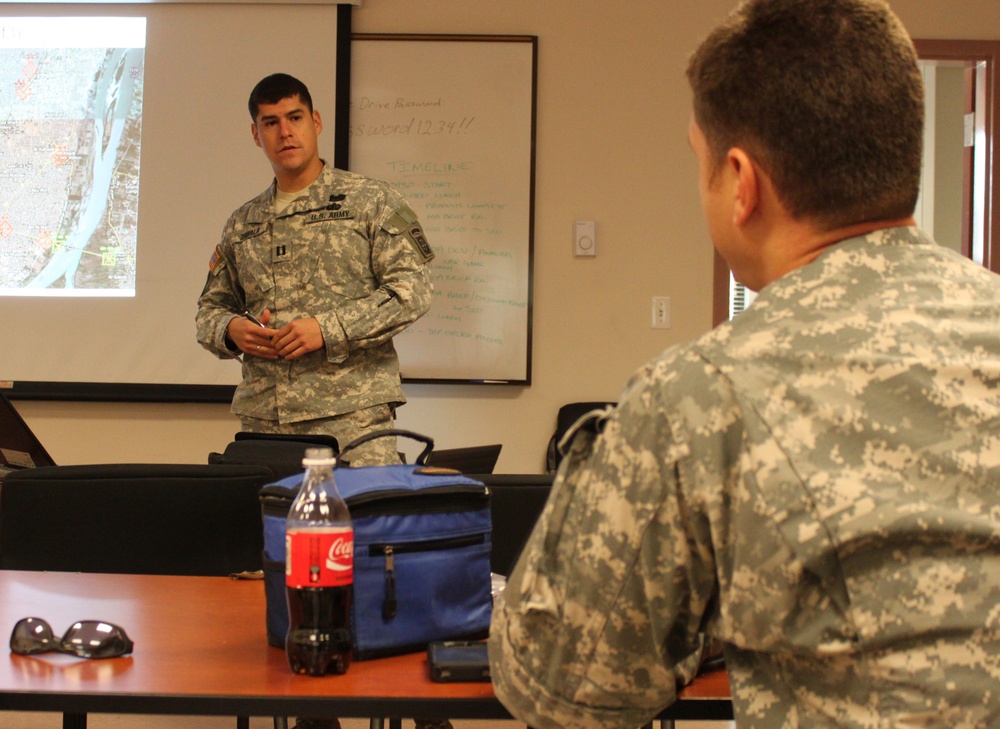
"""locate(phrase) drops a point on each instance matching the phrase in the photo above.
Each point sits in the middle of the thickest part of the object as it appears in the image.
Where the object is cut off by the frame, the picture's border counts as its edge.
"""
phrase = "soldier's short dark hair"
(274, 88)
(826, 95)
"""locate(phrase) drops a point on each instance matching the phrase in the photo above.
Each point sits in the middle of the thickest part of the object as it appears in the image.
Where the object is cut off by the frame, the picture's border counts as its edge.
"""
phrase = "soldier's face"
(287, 132)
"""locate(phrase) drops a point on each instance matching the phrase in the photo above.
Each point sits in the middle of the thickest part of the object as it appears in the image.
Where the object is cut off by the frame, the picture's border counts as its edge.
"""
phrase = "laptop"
(19, 448)
(474, 459)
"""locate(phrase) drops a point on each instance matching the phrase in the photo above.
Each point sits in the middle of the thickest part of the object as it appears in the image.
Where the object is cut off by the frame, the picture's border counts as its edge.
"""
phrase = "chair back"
(567, 416)
(280, 452)
(133, 518)
(516, 501)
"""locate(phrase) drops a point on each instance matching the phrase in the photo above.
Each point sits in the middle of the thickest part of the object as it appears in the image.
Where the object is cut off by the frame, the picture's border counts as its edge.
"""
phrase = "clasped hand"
(295, 339)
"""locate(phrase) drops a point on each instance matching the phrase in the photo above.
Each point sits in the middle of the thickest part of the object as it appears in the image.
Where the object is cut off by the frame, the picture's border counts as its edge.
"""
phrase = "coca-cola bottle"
(319, 572)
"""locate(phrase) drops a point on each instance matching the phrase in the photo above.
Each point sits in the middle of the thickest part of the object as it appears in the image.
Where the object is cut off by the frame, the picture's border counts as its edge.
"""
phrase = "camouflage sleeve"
(221, 300)
(602, 614)
(400, 256)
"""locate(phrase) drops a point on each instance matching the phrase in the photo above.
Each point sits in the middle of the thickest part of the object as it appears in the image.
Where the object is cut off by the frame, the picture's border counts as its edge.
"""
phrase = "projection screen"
(124, 145)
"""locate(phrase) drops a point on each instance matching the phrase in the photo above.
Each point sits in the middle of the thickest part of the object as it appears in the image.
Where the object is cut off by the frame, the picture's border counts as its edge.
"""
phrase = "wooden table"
(200, 649)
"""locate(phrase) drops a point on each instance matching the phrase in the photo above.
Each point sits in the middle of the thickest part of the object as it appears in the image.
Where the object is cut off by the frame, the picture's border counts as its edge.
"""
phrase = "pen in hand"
(252, 318)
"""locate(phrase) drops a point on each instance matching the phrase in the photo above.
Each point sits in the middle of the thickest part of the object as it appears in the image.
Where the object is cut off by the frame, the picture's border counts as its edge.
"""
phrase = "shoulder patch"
(400, 220)
(215, 259)
(419, 242)
(404, 222)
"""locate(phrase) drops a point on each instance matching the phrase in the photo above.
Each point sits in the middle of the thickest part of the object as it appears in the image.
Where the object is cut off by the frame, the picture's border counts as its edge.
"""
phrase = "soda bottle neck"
(318, 501)
(318, 474)
(320, 477)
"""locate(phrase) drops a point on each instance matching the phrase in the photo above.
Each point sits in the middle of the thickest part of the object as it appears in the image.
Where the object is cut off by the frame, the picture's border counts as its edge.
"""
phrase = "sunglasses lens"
(32, 635)
(96, 639)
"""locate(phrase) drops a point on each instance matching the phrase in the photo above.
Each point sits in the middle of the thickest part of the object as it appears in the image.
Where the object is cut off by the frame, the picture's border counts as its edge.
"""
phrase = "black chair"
(281, 452)
(567, 416)
(516, 501)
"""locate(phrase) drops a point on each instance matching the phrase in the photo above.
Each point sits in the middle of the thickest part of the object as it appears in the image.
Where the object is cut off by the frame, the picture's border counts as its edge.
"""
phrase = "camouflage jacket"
(816, 484)
(348, 252)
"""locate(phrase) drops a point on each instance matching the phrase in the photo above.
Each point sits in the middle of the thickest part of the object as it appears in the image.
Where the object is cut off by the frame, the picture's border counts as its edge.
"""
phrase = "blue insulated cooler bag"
(421, 553)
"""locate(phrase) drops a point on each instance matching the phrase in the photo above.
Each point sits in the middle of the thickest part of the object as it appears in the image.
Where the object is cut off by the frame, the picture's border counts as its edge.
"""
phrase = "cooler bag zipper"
(389, 605)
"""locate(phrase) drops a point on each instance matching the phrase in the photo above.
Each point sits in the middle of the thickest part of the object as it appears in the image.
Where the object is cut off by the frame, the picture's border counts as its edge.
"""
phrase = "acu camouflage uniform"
(816, 484)
(348, 252)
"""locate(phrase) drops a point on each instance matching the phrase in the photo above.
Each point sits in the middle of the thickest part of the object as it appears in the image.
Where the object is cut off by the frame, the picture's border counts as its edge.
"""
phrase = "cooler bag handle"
(421, 459)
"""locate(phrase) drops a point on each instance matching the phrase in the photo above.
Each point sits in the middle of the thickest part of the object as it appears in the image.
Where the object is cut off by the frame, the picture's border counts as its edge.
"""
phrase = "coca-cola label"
(319, 557)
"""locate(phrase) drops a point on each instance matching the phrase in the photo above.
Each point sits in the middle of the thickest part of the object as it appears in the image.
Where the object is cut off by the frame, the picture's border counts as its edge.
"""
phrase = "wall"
(613, 109)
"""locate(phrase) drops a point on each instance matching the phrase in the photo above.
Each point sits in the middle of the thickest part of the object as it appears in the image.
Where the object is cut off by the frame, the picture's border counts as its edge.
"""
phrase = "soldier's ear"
(746, 188)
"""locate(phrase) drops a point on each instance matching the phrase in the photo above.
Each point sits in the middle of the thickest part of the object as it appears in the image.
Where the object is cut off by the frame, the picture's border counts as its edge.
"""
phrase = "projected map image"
(70, 123)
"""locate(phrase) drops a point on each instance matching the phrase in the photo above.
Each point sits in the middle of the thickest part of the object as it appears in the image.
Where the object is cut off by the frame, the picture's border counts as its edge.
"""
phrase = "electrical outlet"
(661, 312)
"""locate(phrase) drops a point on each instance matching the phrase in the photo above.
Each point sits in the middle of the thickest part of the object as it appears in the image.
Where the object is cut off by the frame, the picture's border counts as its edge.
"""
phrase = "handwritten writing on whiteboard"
(449, 125)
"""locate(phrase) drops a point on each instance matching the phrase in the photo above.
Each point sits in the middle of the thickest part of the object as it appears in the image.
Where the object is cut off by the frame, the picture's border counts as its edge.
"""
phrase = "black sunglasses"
(86, 639)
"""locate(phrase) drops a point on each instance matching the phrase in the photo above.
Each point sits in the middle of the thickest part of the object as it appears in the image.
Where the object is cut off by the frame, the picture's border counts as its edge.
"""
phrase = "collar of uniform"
(308, 197)
(261, 209)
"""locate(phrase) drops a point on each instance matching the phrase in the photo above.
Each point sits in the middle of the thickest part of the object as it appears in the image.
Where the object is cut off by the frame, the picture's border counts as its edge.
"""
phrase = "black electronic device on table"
(458, 660)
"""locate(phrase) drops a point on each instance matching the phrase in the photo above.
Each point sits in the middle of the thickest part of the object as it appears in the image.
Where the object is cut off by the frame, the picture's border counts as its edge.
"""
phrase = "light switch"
(585, 238)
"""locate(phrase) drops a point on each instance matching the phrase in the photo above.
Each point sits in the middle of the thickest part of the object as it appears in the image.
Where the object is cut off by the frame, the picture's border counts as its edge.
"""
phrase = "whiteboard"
(449, 121)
